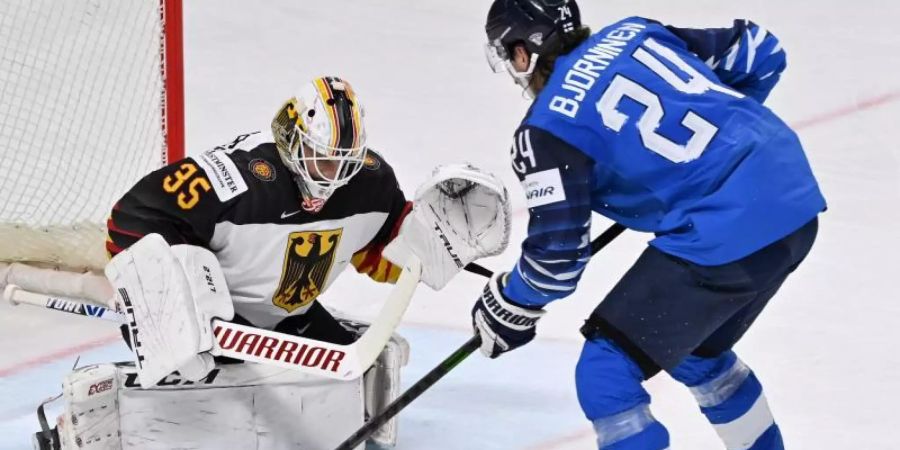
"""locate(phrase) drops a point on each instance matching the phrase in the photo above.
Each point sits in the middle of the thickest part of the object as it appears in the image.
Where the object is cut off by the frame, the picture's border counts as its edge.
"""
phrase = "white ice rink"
(824, 349)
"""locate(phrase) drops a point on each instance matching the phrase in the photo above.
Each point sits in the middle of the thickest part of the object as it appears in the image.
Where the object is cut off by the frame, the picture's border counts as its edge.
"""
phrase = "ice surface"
(823, 349)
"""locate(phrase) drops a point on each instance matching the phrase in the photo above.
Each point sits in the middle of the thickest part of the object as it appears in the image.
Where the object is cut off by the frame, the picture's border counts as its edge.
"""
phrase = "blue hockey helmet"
(540, 25)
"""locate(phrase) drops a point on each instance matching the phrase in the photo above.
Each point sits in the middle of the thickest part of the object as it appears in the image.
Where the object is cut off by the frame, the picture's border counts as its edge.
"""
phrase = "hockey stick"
(451, 361)
(342, 362)
(601, 241)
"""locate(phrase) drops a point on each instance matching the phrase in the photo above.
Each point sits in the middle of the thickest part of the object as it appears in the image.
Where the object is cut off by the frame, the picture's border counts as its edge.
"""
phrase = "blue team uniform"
(663, 130)
(710, 208)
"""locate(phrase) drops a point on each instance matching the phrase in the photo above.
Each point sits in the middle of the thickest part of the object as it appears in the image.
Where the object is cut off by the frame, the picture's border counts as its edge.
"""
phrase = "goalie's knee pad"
(382, 381)
(382, 386)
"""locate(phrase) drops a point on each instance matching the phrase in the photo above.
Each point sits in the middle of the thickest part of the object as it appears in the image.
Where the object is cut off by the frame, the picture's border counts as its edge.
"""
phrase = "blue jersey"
(662, 130)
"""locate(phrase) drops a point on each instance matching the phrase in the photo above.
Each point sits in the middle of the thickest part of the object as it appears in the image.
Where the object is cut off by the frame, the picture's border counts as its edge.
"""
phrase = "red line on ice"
(565, 441)
(67, 352)
(859, 106)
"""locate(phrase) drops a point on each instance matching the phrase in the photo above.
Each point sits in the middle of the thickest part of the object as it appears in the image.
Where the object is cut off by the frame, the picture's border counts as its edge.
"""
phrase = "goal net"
(90, 101)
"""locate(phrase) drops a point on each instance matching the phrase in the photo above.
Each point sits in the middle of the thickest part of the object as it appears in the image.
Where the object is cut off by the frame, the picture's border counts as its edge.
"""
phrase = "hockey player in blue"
(663, 130)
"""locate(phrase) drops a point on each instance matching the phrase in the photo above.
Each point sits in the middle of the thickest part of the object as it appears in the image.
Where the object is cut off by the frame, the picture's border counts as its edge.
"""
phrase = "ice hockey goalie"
(268, 224)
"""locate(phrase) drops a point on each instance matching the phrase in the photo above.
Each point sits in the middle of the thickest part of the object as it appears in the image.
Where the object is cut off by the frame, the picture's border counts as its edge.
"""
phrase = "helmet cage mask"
(333, 166)
(306, 130)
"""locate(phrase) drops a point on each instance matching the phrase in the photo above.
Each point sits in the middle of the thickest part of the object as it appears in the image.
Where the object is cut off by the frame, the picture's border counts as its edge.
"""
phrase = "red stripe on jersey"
(373, 254)
(113, 249)
(405, 212)
(111, 226)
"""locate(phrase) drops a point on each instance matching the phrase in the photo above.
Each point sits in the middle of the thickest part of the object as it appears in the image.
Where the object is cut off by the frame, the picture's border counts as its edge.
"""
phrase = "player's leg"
(612, 365)
(761, 273)
(609, 389)
(653, 318)
(728, 392)
(732, 399)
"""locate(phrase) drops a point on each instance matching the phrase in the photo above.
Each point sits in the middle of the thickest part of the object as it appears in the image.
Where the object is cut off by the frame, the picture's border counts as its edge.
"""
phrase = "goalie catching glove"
(502, 324)
(459, 215)
(169, 296)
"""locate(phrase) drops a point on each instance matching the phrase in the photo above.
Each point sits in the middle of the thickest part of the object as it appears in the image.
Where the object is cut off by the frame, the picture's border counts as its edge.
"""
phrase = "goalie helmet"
(539, 25)
(321, 138)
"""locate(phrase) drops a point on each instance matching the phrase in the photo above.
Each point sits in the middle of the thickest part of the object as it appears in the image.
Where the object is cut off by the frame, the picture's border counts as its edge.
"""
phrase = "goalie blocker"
(234, 406)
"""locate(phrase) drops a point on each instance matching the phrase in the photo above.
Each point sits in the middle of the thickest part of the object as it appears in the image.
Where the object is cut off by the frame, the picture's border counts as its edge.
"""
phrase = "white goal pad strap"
(169, 296)
(459, 215)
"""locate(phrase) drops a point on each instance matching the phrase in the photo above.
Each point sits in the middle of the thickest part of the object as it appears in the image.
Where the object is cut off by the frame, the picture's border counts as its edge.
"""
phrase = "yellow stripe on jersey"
(376, 267)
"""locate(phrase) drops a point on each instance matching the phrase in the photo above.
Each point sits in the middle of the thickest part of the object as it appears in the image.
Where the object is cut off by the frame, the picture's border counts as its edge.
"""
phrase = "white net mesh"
(80, 121)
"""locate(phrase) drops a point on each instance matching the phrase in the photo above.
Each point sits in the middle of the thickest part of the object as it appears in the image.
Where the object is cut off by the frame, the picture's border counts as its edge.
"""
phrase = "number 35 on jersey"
(186, 185)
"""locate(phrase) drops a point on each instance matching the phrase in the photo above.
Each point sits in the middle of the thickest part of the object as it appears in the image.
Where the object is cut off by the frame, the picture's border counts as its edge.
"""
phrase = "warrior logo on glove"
(307, 263)
(516, 321)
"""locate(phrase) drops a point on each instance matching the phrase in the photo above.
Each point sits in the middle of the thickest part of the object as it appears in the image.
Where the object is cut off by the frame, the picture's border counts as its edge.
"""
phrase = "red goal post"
(91, 100)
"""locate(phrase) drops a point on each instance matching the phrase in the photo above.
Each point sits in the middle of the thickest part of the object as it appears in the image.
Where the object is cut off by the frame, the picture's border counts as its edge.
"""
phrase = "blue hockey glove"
(502, 324)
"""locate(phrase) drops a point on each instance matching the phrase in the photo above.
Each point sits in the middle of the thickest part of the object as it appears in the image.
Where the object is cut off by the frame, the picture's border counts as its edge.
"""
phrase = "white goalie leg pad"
(169, 296)
(234, 406)
(382, 386)
(459, 215)
(91, 417)
(382, 381)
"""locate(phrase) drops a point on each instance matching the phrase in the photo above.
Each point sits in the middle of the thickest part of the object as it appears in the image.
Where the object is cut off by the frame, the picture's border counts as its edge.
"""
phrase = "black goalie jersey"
(278, 254)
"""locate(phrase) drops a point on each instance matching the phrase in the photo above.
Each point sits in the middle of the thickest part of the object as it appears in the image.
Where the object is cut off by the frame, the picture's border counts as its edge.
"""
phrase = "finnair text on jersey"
(587, 69)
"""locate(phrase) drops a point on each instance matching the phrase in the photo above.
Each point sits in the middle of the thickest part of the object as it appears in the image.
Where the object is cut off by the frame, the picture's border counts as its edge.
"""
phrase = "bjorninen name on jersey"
(587, 69)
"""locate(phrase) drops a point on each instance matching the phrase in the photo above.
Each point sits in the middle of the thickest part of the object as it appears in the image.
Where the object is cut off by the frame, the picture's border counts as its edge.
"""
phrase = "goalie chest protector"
(278, 252)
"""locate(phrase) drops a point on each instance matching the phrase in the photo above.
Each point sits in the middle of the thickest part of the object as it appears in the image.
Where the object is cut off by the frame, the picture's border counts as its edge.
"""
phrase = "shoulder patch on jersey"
(262, 170)
(224, 175)
(543, 188)
(371, 162)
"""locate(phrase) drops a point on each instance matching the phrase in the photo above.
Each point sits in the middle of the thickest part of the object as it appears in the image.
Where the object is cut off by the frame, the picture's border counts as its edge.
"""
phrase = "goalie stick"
(451, 361)
(341, 362)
